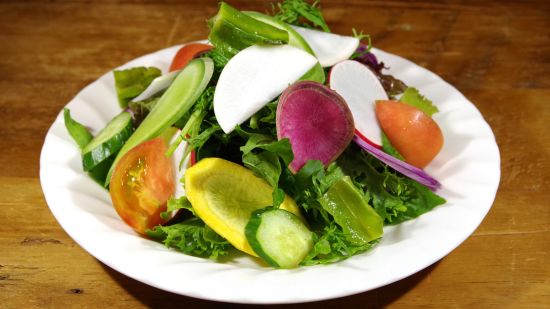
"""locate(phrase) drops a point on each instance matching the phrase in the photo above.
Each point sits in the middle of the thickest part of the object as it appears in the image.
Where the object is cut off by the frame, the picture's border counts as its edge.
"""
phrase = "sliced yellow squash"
(225, 194)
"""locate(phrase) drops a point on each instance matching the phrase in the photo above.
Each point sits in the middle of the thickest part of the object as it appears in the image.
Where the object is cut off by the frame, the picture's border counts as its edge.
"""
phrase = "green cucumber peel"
(172, 105)
(108, 141)
(99, 172)
(232, 31)
(279, 237)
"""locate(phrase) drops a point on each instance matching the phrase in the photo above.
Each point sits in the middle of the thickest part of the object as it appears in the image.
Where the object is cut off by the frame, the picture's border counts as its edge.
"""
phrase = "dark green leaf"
(262, 154)
(305, 176)
(300, 13)
(282, 147)
(265, 165)
(78, 132)
(199, 140)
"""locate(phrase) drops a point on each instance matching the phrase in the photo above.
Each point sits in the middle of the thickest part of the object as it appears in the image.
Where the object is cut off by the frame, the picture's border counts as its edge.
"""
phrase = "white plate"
(468, 168)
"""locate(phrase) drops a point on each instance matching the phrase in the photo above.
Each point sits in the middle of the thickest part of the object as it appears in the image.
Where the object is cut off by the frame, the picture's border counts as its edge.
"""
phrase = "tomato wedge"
(187, 53)
(414, 134)
(142, 183)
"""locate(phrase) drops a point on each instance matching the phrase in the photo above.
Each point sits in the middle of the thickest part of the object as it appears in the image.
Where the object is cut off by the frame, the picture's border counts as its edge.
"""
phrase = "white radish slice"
(179, 166)
(253, 78)
(330, 48)
(158, 84)
(360, 87)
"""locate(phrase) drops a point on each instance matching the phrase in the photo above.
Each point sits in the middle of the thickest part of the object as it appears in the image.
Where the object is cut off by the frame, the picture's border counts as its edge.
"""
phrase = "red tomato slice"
(187, 53)
(413, 133)
(142, 183)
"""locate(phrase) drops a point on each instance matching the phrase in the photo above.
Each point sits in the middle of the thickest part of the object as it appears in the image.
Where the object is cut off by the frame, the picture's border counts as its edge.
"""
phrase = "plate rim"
(89, 249)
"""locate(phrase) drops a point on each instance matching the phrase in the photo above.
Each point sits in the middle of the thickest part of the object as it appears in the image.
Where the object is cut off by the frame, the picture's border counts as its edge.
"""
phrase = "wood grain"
(496, 52)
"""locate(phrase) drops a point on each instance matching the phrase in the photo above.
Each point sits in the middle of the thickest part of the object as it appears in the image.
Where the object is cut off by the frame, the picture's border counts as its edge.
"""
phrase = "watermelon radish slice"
(316, 120)
(360, 87)
(330, 48)
(254, 77)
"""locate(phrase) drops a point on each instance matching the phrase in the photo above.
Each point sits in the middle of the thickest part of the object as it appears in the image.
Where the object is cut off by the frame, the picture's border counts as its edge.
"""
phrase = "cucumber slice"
(108, 141)
(279, 237)
(171, 106)
(99, 172)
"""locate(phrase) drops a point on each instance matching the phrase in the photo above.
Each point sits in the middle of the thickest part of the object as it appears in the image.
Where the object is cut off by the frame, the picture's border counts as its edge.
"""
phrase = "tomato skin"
(187, 53)
(414, 134)
(142, 183)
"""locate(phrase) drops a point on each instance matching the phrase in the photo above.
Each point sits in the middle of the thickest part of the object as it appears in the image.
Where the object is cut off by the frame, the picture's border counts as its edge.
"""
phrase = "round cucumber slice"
(108, 141)
(279, 237)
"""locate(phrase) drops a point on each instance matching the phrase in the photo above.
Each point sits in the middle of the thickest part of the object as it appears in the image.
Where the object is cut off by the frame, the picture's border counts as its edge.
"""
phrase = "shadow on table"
(156, 298)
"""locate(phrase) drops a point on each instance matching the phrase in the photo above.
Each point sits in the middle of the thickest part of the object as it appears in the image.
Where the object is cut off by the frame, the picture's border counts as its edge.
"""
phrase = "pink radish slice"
(366, 140)
(317, 122)
(360, 87)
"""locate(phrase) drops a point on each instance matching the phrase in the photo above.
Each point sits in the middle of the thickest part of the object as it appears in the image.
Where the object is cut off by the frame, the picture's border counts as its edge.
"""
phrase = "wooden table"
(496, 52)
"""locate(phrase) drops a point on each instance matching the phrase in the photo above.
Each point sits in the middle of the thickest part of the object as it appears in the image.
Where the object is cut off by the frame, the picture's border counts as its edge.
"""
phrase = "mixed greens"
(323, 210)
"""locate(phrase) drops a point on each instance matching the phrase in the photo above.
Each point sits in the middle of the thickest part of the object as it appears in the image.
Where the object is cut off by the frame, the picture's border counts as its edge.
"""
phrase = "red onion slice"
(406, 169)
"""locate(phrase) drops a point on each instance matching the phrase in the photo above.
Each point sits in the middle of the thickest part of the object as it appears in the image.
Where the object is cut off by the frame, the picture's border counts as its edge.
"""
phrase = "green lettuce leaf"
(309, 184)
(395, 197)
(130, 83)
(175, 204)
(332, 245)
(267, 157)
(192, 237)
(413, 97)
(308, 187)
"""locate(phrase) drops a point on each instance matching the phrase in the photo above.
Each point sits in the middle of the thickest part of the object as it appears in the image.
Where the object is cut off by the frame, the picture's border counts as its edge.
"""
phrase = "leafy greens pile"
(254, 144)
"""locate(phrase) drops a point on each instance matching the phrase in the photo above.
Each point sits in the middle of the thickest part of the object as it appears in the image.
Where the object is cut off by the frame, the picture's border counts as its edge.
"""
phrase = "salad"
(277, 138)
